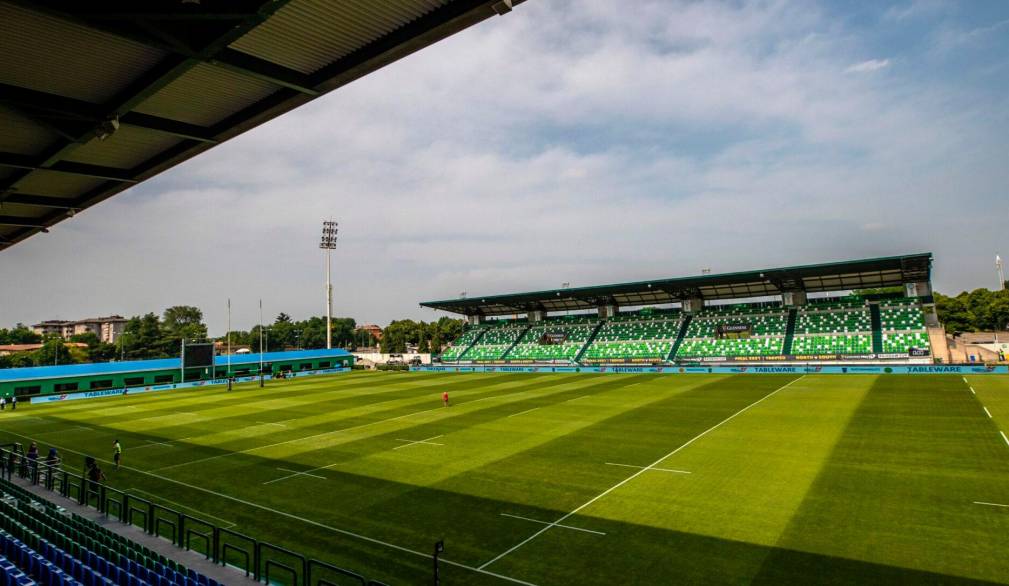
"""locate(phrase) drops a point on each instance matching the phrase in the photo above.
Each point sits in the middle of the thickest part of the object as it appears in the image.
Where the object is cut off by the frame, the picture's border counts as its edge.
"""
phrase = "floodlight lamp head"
(107, 127)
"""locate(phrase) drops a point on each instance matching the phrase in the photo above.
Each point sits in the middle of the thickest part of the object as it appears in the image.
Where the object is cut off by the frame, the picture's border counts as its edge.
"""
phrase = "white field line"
(229, 524)
(415, 442)
(523, 412)
(1005, 438)
(547, 523)
(578, 398)
(291, 516)
(990, 504)
(65, 429)
(965, 379)
(649, 468)
(972, 391)
(303, 473)
(638, 473)
(270, 423)
(147, 445)
(318, 435)
(986, 411)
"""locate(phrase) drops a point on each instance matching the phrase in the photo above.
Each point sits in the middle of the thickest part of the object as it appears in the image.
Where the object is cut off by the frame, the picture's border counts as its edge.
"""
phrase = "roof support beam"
(30, 164)
(57, 112)
(42, 201)
(20, 222)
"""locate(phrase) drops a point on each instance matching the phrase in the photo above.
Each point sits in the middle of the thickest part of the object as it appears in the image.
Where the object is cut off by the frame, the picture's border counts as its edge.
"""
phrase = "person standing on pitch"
(444, 398)
(117, 453)
(14, 402)
(3, 403)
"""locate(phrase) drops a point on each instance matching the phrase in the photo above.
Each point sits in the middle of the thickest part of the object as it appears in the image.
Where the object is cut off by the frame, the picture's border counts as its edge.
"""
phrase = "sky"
(574, 141)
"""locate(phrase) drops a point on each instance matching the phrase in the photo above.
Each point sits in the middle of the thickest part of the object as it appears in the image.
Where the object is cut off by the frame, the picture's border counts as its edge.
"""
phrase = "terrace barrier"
(260, 560)
(851, 369)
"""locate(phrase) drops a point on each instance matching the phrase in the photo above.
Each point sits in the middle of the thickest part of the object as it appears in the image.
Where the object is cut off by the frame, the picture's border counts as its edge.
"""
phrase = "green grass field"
(581, 478)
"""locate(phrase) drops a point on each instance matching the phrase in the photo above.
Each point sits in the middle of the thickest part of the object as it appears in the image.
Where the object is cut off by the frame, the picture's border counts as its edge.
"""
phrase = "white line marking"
(972, 391)
(147, 445)
(986, 411)
(648, 468)
(1005, 438)
(337, 530)
(579, 398)
(524, 412)
(415, 442)
(547, 523)
(270, 423)
(297, 473)
(990, 504)
(182, 506)
(964, 379)
(639, 473)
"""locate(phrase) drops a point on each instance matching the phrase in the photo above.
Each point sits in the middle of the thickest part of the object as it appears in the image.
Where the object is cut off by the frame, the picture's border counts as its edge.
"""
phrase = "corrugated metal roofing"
(99, 368)
(177, 83)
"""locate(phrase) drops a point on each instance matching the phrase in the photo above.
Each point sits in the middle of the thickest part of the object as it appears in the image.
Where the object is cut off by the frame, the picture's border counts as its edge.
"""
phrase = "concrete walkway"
(190, 559)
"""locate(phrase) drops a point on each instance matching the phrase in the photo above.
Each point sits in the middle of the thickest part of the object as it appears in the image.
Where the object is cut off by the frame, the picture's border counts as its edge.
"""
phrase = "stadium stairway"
(516, 342)
(471, 344)
(786, 347)
(80, 545)
(589, 340)
(877, 328)
(679, 337)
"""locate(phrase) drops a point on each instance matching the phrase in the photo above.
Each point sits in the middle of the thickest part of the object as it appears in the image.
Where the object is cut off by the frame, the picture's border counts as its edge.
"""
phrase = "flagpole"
(260, 342)
(229, 337)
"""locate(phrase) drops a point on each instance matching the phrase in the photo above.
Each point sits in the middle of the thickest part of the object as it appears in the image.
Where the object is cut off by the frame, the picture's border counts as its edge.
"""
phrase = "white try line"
(229, 524)
(986, 411)
(972, 390)
(1005, 438)
(287, 515)
(524, 412)
(990, 504)
(547, 523)
(423, 441)
(964, 379)
(648, 468)
(638, 473)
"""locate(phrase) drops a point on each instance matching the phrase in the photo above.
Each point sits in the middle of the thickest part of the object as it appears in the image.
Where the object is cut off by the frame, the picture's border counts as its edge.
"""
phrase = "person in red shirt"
(444, 398)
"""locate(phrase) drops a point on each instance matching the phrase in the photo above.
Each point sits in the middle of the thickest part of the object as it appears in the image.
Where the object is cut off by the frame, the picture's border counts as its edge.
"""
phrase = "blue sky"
(582, 142)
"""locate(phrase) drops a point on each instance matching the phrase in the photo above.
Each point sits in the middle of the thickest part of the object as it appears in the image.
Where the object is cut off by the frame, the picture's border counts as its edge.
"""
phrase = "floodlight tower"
(328, 243)
(1001, 274)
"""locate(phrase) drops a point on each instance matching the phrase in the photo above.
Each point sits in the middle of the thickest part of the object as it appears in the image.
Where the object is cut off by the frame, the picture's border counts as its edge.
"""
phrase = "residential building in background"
(108, 329)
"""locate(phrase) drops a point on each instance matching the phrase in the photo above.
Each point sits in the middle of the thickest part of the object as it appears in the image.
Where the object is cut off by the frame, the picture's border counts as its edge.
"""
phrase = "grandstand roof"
(178, 77)
(828, 277)
(99, 368)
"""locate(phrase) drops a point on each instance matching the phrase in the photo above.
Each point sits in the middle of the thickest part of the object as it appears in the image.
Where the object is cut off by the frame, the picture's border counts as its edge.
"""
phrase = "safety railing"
(260, 560)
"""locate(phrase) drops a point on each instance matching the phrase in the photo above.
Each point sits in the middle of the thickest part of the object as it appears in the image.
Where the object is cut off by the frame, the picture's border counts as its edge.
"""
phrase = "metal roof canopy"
(177, 77)
(829, 277)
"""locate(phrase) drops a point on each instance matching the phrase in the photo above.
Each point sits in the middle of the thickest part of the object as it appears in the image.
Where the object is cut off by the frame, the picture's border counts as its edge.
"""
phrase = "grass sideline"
(580, 478)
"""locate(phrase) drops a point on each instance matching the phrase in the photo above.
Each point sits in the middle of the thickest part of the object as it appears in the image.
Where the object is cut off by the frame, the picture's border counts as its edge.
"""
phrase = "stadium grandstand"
(800, 314)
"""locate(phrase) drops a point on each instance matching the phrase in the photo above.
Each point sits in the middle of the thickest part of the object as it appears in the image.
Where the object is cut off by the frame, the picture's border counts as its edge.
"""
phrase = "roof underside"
(821, 278)
(179, 77)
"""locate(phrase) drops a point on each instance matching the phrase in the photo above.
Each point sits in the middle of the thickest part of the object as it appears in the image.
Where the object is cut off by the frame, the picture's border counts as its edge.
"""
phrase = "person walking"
(444, 398)
(117, 453)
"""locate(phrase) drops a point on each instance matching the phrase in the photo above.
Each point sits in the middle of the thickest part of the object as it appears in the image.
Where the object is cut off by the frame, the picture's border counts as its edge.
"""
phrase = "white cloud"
(565, 142)
(868, 66)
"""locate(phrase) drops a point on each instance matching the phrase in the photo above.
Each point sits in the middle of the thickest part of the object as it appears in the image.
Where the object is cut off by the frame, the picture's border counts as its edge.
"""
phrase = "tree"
(54, 351)
(19, 334)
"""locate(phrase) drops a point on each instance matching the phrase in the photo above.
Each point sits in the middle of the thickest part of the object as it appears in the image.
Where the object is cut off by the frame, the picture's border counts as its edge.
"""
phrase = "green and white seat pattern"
(833, 328)
(576, 333)
(903, 325)
(901, 342)
(454, 352)
(641, 338)
(758, 346)
(495, 342)
(835, 344)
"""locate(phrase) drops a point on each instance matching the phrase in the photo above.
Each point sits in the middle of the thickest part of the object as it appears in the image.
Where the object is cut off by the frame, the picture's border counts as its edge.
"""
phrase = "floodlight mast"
(328, 243)
(1001, 274)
